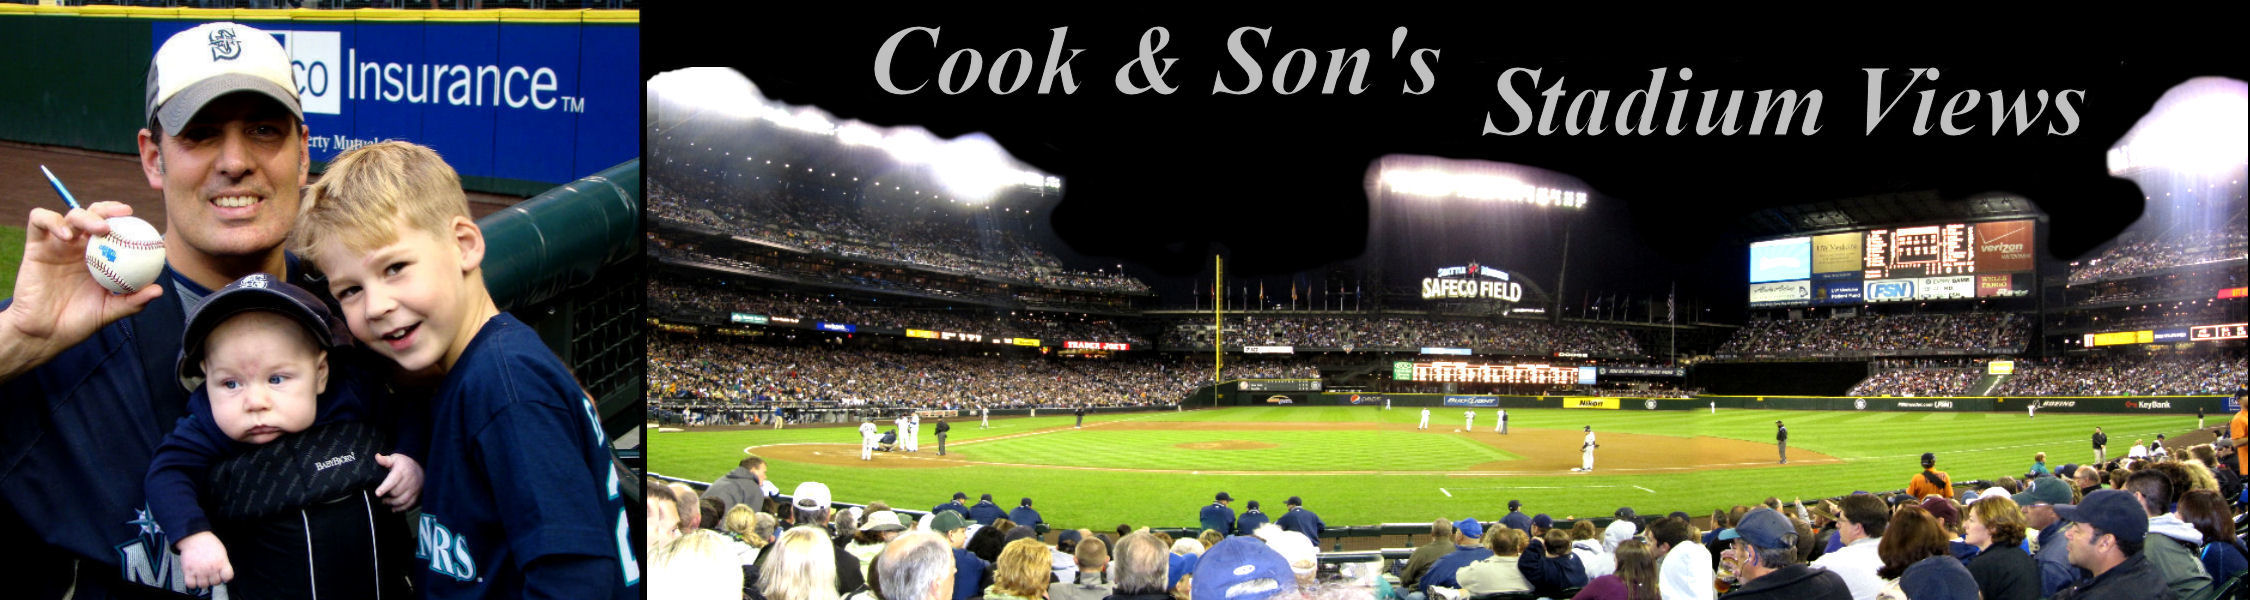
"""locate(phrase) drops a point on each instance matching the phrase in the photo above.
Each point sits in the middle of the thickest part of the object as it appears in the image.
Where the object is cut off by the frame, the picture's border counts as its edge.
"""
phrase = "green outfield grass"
(1880, 452)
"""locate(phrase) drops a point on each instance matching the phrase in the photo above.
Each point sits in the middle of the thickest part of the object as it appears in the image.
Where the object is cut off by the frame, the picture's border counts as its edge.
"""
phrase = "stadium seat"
(2233, 588)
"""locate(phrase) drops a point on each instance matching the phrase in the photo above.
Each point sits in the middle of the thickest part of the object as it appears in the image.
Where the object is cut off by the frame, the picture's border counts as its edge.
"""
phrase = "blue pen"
(59, 189)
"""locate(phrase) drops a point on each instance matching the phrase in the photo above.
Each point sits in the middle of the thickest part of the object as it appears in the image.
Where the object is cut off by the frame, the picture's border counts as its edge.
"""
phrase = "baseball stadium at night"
(1349, 332)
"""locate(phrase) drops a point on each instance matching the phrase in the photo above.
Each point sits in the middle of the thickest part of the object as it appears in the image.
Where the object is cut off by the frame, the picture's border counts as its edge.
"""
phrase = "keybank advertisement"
(544, 102)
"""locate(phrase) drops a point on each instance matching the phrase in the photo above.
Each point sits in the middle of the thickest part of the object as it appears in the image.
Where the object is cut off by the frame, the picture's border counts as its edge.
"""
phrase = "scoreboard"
(1946, 261)
(1483, 373)
(1918, 252)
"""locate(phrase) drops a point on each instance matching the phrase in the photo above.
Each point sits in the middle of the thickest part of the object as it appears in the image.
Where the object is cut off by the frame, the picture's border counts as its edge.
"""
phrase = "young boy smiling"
(519, 496)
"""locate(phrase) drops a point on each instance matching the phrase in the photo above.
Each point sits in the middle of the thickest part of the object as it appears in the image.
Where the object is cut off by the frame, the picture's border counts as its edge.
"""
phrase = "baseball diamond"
(1364, 466)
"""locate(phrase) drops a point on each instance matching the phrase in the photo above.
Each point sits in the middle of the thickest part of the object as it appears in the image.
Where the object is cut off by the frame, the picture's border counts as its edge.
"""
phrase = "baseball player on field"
(1502, 425)
(914, 432)
(1588, 450)
(1470, 424)
(867, 440)
(1425, 419)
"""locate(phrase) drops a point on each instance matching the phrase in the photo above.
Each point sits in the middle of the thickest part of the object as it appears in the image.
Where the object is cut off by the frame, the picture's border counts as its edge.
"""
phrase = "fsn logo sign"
(316, 59)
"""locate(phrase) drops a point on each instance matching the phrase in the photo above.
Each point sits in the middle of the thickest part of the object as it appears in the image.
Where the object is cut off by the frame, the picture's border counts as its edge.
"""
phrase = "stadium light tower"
(1482, 182)
(2197, 128)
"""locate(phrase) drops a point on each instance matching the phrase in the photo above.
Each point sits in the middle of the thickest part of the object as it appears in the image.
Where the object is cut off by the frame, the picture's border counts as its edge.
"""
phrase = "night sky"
(1276, 182)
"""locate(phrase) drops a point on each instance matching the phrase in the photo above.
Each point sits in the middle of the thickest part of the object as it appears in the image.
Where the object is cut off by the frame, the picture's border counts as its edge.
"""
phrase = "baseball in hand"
(128, 258)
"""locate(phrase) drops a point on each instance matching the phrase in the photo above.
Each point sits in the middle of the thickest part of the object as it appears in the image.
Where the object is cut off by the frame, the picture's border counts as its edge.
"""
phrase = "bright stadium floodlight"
(975, 169)
(1474, 180)
(2196, 128)
(718, 90)
(911, 145)
(855, 133)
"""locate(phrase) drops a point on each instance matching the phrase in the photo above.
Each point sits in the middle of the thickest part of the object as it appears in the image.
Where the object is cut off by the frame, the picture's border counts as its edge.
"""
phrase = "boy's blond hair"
(366, 192)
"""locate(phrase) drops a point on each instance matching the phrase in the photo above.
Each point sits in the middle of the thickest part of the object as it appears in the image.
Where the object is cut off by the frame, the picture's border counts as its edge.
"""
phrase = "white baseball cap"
(811, 495)
(211, 60)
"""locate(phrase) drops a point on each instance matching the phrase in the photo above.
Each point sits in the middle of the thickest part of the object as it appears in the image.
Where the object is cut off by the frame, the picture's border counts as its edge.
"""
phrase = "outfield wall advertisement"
(523, 101)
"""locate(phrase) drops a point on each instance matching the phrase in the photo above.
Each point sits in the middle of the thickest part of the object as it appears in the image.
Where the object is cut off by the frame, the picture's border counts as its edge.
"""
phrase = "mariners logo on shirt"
(149, 559)
(446, 552)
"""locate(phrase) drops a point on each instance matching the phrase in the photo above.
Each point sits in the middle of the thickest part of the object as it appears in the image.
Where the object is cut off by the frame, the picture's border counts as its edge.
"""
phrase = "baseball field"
(1364, 465)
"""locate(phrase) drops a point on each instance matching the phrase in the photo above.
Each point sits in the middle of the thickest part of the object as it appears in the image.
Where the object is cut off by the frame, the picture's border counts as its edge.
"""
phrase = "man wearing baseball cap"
(1303, 521)
(1251, 519)
(809, 505)
(89, 377)
(1764, 545)
(1930, 480)
(1217, 517)
(2106, 532)
(2039, 501)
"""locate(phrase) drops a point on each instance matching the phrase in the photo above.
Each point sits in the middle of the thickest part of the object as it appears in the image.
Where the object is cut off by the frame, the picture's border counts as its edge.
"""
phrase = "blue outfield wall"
(516, 101)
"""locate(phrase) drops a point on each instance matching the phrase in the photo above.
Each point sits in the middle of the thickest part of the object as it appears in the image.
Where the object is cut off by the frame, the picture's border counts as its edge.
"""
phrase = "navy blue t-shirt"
(520, 499)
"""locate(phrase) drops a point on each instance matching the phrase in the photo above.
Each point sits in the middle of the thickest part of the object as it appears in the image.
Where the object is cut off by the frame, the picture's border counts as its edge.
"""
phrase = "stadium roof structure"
(1882, 210)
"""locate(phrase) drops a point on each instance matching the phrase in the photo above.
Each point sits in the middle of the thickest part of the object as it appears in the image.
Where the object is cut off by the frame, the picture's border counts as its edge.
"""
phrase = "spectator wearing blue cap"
(1251, 519)
(1302, 521)
(2106, 534)
(1540, 524)
(1441, 544)
(1504, 571)
(1466, 549)
(1242, 568)
(1765, 546)
(1217, 517)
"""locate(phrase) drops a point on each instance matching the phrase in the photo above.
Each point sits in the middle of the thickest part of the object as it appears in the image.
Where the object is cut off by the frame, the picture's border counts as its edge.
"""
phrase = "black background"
(1160, 182)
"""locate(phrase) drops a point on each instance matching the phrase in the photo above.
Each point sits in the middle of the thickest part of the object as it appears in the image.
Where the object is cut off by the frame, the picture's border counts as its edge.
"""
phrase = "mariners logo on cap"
(254, 280)
(223, 44)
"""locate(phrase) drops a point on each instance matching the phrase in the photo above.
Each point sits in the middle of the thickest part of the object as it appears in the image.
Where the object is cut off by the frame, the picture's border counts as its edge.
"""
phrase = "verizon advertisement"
(2003, 246)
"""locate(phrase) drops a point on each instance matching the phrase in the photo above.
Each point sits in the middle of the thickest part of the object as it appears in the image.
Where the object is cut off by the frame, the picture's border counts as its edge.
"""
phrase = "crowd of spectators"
(2139, 255)
(1918, 382)
(1976, 332)
(708, 370)
(664, 296)
(2124, 375)
(1924, 534)
(922, 233)
(1506, 336)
